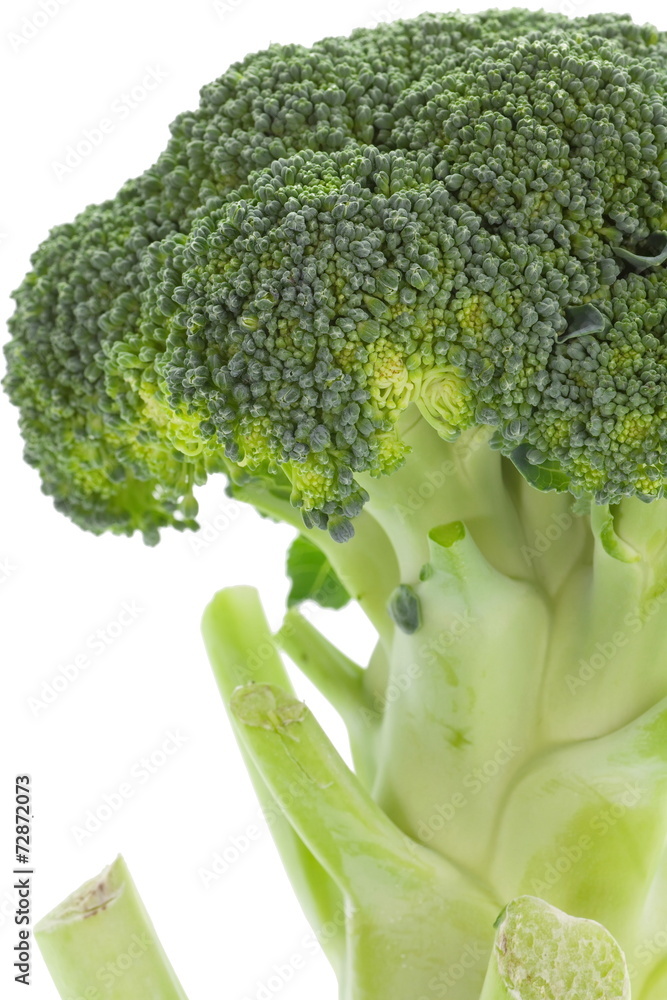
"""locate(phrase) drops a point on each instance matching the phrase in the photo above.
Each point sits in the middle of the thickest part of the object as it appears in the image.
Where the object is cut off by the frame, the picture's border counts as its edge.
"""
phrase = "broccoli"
(407, 291)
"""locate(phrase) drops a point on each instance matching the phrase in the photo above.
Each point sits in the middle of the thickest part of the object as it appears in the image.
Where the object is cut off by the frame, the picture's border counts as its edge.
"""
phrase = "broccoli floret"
(417, 214)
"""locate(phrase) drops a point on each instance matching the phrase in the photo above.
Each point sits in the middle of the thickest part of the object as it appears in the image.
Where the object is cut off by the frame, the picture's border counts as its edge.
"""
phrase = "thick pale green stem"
(101, 943)
(557, 542)
(607, 621)
(584, 826)
(517, 713)
(461, 708)
(317, 893)
(406, 913)
(442, 482)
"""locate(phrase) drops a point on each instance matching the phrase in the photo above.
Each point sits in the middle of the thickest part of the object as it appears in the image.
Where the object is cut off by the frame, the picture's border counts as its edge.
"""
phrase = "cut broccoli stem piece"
(325, 802)
(541, 952)
(100, 942)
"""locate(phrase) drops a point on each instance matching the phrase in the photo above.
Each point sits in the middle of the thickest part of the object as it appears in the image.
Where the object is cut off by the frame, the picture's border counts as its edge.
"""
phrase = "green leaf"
(312, 576)
(548, 477)
(583, 321)
(651, 252)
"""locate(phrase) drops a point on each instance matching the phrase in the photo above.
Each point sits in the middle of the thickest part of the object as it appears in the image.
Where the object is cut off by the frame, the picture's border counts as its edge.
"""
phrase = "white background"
(59, 586)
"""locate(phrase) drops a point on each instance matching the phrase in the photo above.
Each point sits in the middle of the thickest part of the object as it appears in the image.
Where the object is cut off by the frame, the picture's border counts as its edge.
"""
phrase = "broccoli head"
(467, 214)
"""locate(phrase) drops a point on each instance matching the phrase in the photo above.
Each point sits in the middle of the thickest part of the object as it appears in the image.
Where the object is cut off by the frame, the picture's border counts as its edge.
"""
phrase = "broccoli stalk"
(401, 909)
(508, 735)
(408, 292)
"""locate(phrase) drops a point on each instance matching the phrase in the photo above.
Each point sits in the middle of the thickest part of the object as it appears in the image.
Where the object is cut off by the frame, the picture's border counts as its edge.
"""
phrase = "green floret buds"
(471, 218)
